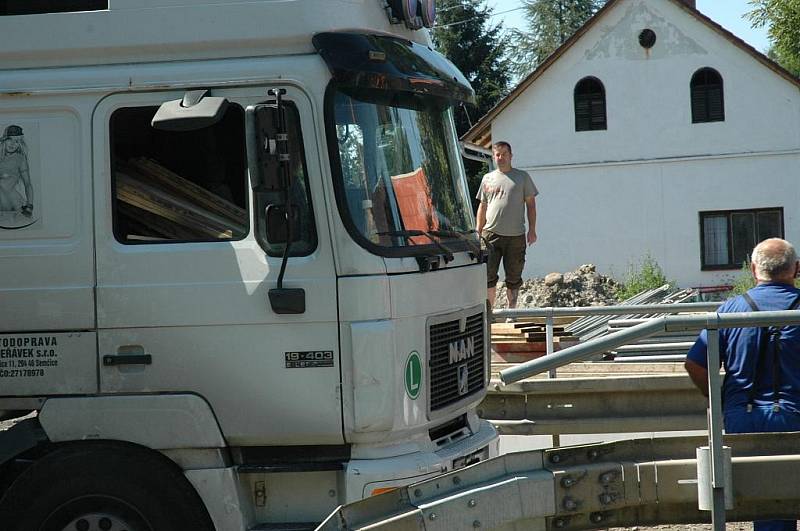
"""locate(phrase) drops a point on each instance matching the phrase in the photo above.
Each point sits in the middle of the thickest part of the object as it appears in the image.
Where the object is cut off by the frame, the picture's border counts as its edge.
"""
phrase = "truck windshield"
(401, 184)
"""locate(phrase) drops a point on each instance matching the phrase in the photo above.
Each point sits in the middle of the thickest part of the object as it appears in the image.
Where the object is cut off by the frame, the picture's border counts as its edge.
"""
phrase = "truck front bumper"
(366, 477)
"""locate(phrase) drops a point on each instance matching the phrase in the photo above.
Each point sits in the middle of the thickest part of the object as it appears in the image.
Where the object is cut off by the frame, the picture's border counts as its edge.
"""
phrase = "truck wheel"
(103, 487)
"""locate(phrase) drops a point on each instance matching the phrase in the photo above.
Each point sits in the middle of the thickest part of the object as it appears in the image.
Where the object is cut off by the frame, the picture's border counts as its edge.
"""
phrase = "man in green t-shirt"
(506, 196)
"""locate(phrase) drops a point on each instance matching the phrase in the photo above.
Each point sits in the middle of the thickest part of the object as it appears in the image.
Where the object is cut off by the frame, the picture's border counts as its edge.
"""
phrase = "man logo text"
(462, 349)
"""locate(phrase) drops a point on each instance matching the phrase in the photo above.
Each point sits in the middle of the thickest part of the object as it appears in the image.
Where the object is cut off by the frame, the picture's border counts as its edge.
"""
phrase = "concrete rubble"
(582, 287)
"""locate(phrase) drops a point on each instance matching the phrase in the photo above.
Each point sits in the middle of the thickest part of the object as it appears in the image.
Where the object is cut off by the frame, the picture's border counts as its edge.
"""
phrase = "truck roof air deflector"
(407, 67)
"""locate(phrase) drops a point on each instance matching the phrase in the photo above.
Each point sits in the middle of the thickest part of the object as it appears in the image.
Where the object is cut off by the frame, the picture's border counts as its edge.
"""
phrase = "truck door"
(186, 258)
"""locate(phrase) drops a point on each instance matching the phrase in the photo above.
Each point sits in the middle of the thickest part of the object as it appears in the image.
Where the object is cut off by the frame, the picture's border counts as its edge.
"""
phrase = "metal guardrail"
(611, 404)
(712, 322)
(620, 484)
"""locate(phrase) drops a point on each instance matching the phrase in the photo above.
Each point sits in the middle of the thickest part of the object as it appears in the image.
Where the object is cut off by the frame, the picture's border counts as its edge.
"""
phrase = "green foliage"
(783, 19)
(744, 280)
(642, 276)
(464, 34)
(550, 23)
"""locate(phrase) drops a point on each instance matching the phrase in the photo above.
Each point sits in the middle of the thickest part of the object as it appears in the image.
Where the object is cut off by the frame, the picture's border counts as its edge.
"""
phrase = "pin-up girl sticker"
(16, 190)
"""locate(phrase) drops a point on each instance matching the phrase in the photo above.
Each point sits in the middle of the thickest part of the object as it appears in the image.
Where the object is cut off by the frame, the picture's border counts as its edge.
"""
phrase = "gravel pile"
(582, 287)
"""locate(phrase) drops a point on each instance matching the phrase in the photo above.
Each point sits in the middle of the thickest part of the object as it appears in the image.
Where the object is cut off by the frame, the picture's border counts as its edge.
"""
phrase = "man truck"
(239, 279)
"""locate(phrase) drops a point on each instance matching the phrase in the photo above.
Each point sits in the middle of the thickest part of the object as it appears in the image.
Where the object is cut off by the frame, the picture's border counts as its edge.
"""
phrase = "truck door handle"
(127, 359)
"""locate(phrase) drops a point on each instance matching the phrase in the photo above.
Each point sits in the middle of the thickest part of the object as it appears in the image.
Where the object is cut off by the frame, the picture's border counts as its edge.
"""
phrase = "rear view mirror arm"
(283, 300)
(282, 151)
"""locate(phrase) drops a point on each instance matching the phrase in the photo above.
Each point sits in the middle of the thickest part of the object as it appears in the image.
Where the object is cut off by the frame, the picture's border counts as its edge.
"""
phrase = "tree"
(550, 23)
(783, 19)
(465, 35)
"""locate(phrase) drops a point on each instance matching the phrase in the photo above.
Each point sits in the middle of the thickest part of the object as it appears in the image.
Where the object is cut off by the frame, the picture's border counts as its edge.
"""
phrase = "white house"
(654, 130)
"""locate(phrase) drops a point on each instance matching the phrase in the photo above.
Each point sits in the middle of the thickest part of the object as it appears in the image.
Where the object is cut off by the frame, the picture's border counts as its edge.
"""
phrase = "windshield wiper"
(447, 253)
(475, 248)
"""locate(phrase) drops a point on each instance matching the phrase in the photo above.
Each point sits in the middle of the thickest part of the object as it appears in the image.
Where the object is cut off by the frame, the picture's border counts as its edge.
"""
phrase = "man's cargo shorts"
(509, 249)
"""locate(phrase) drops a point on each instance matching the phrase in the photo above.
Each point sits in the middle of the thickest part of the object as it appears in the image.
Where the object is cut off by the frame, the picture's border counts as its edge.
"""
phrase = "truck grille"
(457, 361)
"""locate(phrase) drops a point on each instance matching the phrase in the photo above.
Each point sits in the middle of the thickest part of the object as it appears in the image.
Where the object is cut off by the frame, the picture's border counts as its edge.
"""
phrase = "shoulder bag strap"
(775, 337)
(763, 343)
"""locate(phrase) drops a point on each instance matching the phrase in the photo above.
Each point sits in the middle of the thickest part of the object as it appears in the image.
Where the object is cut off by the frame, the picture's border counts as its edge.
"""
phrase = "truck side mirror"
(194, 111)
(277, 223)
(269, 164)
(262, 126)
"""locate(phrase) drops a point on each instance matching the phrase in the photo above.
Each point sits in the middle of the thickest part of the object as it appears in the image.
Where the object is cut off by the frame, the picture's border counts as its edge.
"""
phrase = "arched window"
(708, 101)
(590, 105)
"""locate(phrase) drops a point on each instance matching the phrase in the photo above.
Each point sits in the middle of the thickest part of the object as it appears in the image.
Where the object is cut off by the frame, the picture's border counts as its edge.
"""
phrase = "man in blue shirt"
(761, 389)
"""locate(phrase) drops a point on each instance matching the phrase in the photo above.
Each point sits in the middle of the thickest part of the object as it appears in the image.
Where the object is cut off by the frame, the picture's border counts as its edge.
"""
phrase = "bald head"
(774, 260)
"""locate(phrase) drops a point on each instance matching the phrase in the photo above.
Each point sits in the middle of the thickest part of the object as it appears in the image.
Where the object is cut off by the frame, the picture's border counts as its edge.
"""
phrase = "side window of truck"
(171, 186)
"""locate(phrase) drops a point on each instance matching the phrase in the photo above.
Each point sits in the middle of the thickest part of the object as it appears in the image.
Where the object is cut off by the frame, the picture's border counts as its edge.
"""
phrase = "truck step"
(290, 467)
(299, 526)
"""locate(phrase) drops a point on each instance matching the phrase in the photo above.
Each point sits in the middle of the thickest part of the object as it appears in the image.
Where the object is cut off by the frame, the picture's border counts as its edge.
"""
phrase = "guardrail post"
(549, 321)
(549, 338)
(705, 496)
(715, 431)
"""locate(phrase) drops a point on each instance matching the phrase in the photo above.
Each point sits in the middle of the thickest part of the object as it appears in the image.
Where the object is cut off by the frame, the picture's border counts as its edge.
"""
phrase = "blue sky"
(727, 13)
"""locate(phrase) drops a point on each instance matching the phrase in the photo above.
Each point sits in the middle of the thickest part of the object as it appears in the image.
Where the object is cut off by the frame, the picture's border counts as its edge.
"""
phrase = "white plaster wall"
(612, 214)
(647, 95)
(665, 169)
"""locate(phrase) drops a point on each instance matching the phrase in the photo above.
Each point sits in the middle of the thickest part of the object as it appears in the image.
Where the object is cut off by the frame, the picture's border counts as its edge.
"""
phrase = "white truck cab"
(239, 276)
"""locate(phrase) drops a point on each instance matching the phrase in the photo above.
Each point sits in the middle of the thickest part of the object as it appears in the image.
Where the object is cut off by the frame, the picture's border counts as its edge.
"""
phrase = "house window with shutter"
(708, 101)
(590, 105)
(728, 236)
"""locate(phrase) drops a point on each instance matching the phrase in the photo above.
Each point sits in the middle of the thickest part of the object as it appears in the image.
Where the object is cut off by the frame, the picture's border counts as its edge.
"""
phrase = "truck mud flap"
(20, 438)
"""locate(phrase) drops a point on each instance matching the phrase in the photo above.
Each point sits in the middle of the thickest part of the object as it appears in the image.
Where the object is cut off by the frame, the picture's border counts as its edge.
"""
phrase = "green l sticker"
(413, 375)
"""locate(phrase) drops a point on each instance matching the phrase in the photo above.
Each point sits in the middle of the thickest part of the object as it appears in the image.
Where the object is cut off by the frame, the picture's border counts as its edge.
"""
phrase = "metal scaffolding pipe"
(607, 310)
(653, 347)
(650, 358)
(658, 325)
(582, 351)
(732, 320)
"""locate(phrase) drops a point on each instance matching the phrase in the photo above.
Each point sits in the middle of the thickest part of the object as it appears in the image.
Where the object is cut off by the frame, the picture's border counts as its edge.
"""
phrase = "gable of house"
(647, 89)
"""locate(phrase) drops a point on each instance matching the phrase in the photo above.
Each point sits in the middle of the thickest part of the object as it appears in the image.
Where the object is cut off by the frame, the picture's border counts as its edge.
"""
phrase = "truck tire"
(103, 487)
